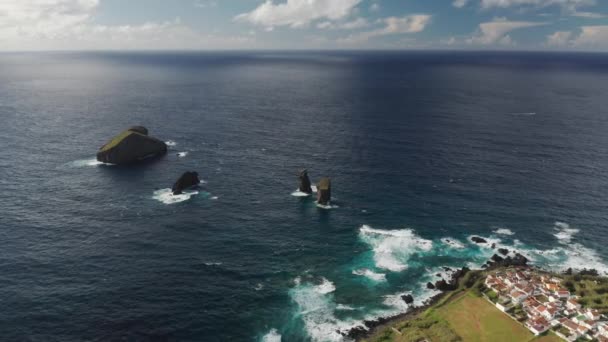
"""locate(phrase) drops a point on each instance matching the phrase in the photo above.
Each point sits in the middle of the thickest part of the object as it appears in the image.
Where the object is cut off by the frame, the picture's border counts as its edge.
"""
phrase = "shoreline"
(447, 287)
(373, 326)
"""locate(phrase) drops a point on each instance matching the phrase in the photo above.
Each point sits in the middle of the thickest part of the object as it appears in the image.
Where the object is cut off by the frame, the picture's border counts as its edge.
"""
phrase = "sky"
(580, 25)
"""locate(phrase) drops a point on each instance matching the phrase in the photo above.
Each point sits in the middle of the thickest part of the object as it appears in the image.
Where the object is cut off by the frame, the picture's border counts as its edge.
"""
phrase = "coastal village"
(540, 301)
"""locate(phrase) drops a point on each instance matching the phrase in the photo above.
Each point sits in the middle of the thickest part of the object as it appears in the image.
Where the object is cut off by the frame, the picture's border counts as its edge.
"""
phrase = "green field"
(462, 315)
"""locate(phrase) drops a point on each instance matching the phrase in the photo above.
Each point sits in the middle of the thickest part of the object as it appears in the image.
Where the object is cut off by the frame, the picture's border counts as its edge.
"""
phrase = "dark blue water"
(420, 147)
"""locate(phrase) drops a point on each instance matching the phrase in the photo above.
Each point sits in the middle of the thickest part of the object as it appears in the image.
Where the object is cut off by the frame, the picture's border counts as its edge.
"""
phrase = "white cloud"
(592, 37)
(392, 25)
(459, 3)
(559, 39)
(28, 18)
(349, 25)
(69, 25)
(375, 7)
(205, 3)
(588, 38)
(570, 4)
(297, 13)
(588, 15)
(496, 31)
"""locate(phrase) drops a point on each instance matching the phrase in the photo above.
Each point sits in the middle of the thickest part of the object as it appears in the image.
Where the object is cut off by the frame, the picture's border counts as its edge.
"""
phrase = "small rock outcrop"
(187, 180)
(408, 299)
(324, 191)
(517, 260)
(305, 182)
(478, 239)
(430, 286)
(131, 146)
(503, 251)
(443, 285)
(497, 258)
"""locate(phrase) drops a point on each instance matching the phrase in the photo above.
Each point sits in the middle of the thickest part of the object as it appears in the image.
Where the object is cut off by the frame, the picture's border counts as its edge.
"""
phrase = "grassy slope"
(474, 319)
(117, 139)
(461, 316)
(593, 290)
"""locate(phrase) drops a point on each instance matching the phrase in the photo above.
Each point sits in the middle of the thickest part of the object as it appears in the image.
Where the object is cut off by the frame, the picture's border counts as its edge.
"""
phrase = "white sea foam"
(453, 243)
(370, 274)
(299, 193)
(345, 307)
(214, 198)
(166, 196)
(87, 162)
(564, 232)
(258, 286)
(182, 154)
(272, 336)
(316, 308)
(392, 248)
(327, 206)
(170, 143)
(213, 263)
(325, 287)
(504, 231)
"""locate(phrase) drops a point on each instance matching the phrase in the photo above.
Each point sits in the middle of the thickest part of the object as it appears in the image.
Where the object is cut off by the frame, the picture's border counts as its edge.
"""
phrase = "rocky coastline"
(446, 286)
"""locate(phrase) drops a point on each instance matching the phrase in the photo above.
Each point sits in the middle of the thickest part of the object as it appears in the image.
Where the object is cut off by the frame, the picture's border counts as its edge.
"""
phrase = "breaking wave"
(370, 274)
(503, 231)
(392, 248)
(170, 143)
(182, 154)
(87, 162)
(564, 232)
(298, 193)
(166, 196)
(272, 336)
(316, 308)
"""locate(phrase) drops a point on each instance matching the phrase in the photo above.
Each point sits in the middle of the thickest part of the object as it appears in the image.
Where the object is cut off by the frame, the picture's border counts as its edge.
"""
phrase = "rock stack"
(187, 180)
(131, 146)
(305, 182)
(324, 191)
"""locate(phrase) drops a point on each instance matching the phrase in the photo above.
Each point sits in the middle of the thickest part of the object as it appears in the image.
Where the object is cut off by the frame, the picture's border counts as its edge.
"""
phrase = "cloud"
(205, 3)
(588, 37)
(569, 4)
(459, 3)
(374, 7)
(588, 15)
(558, 39)
(69, 25)
(592, 37)
(349, 25)
(496, 31)
(392, 25)
(297, 13)
(28, 18)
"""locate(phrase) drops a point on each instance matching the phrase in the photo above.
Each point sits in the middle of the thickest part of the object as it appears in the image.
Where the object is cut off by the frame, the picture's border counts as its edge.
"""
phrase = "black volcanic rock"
(131, 146)
(503, 251)
(493, 245)
(497, 258)
(187, 180)
(305, 182)
(430, 286)
(519, 260)
(408, 299)
(478, 239)
(443, 285)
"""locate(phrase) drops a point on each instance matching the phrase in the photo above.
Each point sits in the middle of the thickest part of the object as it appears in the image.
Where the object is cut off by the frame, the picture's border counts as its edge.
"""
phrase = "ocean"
(424, 149)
